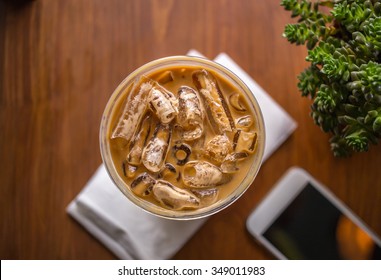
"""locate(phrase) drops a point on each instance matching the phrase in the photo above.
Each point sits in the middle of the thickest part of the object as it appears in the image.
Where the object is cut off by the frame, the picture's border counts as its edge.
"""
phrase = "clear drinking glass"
(106, 130)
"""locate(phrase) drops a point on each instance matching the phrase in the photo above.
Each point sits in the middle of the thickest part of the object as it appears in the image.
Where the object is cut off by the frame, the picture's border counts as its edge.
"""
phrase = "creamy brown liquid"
(182, 76)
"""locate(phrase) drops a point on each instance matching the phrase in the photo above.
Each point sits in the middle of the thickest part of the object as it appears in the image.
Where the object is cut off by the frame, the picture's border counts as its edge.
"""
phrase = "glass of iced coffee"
(182, 137)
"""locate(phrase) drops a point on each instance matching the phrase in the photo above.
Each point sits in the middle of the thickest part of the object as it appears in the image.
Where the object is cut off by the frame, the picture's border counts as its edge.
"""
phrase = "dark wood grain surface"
(61, 60)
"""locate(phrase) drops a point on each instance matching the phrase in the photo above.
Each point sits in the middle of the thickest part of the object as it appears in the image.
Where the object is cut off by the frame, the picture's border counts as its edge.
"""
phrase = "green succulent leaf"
(358, 140)
(344, 77)
(310, 81)
(376, 126)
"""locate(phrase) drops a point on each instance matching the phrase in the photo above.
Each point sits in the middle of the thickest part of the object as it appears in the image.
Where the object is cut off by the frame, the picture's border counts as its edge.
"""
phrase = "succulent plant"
(343, 38)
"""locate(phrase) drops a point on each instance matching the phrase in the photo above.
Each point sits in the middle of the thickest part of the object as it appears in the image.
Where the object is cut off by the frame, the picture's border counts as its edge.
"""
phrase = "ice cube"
(139, 141)
(191, 113)
(182, 153)
(244, 141)
(174, 197)
(165, 77)
(220, 116)
(206, 196)
(235, 100)
(142, 185)
(155, 152)
(229, 164)
(129, 170)
(201, 174)
(218, 148)
(169, 171)
(136, 104)
(163, 103)
(244, 122)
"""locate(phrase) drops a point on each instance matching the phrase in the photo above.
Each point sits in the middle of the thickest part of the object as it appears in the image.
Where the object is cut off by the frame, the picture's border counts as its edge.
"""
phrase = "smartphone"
(301, 219)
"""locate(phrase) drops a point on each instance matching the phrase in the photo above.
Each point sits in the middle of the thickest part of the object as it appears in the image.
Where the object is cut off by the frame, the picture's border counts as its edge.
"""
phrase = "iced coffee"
(184, 137)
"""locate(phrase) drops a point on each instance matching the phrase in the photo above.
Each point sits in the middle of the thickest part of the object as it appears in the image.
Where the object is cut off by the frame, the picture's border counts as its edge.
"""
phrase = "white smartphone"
(301, 219)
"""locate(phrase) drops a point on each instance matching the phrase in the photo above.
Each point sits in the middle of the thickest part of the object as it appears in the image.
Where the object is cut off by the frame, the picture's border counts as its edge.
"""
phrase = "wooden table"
(61, 60)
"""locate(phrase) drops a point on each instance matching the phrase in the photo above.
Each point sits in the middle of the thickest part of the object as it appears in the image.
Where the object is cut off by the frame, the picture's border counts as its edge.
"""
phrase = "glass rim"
(158, 210)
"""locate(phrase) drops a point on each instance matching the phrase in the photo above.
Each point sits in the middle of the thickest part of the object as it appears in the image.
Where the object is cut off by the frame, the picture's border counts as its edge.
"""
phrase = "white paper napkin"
(131, 233)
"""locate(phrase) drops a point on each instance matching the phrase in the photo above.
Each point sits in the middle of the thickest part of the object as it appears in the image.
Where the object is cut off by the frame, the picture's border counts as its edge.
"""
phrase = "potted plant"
(343, 38)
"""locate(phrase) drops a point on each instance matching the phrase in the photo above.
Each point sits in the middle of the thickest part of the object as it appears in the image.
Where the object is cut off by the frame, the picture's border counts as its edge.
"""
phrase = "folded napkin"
(131, 233)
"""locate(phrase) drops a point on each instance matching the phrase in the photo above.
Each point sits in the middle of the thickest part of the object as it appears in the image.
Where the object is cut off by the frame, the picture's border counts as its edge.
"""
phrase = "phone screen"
(311, 227)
